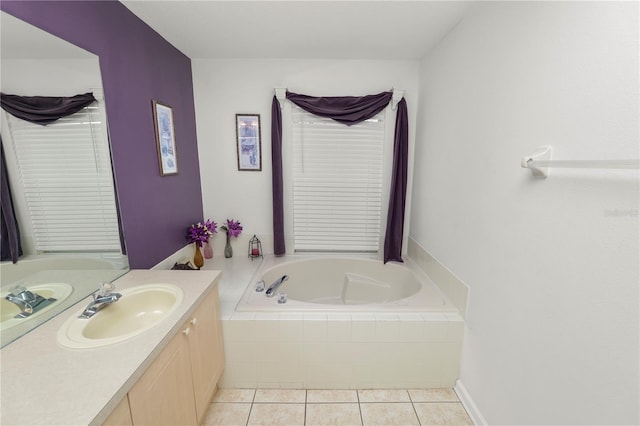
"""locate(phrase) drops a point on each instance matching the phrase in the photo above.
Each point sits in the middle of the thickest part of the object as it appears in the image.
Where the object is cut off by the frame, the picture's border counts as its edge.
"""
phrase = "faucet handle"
(17, 289)
(105, 289)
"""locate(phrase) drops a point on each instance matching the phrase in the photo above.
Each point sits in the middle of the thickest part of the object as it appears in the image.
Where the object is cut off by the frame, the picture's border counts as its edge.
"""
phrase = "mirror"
(36, 63)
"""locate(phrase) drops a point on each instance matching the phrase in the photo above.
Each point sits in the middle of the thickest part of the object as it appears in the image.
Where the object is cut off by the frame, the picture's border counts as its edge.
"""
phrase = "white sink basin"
(8, 310)
(139, 309)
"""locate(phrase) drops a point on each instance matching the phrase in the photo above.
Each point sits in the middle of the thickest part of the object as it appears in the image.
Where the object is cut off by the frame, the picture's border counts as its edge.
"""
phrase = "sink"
(139, 309)
(8, 310)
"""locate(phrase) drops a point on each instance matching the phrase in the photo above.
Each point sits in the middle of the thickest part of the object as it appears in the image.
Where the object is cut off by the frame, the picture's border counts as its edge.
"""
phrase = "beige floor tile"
(234, 395)
(281, 395)
(277, 414)
(388, 414)
(333, 414)
(227, 414)
(444, 413)
(433, 395)
(384, 395)
(321, 395)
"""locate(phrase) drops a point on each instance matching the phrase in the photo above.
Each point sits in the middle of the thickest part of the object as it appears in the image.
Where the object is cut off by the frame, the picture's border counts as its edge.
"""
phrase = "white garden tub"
(343, 284)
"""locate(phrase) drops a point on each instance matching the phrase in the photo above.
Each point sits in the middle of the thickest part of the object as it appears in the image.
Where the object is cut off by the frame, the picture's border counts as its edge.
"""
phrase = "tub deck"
(333, 349)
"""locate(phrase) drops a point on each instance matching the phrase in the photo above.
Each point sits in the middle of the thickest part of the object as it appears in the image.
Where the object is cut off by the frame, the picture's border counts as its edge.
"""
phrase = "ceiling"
(19, 40)
(392, 29)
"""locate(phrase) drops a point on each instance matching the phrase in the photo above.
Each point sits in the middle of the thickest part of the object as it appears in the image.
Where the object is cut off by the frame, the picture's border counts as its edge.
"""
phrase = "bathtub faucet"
(271, 291)
(27, 301)
(102, 298)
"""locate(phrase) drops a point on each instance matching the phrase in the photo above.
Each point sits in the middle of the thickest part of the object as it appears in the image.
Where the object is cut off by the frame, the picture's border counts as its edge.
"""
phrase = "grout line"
(359, 407)
(306, 397)
(251, 407)
(415, 412)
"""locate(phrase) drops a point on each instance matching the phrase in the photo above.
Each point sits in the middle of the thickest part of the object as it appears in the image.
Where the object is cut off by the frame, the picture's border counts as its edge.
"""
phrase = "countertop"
(45, 383)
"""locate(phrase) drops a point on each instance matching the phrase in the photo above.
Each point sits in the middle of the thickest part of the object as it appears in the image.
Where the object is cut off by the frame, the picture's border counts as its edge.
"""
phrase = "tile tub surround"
(331, 351)
(336, 407)
(455, 290)
(36, 369)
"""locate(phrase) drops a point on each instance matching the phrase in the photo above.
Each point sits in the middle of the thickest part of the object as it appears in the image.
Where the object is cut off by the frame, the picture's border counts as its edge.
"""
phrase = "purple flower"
(199, 233)
(211, 226)
(233, 228)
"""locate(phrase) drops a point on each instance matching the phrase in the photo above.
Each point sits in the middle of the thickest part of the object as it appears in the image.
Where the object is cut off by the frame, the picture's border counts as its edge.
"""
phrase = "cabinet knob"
(186, 331)
(193, 321)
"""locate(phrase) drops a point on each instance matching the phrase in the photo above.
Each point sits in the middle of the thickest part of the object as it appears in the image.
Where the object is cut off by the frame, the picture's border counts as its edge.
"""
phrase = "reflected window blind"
(65, 171)
(337, 183)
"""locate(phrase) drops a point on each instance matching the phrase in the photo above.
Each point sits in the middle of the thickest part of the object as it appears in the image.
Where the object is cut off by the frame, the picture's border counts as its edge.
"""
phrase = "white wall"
(223, 88)
(552, 264)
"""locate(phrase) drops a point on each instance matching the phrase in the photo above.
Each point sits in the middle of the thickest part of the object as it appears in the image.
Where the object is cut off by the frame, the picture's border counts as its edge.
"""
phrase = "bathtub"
(350, 322)
(343, 284)
(32, 264)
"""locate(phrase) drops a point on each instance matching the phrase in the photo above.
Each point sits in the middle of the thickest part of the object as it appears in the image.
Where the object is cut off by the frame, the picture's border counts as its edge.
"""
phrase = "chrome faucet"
(102, 298)
(271, 291)
(27, 301)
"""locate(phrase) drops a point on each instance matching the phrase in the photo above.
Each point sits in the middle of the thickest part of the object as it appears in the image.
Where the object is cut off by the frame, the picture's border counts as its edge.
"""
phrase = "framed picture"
(248, 141)
(165, 138)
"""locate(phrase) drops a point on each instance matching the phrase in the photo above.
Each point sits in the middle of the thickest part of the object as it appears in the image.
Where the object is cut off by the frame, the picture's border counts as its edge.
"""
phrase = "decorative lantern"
(255, 247)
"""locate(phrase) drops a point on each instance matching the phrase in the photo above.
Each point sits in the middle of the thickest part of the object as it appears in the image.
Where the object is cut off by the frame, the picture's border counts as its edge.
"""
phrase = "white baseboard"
(469, 405)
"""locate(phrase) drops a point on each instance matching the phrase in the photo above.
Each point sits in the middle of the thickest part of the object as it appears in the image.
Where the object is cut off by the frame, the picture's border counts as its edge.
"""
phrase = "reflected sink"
(8, 310)
(139, 309)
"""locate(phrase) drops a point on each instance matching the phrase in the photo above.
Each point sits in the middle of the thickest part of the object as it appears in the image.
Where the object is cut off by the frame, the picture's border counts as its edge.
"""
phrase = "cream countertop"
(44, 383)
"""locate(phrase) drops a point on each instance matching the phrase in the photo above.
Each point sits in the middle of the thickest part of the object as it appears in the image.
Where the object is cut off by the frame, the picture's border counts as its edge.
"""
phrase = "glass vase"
(198, 260)
(228, 250)
(208, 250)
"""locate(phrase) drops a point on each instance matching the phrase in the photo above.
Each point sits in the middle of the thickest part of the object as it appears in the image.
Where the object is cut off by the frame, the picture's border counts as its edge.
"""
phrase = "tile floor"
(291, 407)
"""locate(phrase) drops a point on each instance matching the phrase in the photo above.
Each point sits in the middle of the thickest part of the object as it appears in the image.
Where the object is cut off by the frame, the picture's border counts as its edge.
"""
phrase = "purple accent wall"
(137, 65)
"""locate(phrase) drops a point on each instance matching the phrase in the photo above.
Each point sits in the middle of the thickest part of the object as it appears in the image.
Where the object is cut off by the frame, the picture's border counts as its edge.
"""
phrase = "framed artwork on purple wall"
(165, 138)
(248, 142)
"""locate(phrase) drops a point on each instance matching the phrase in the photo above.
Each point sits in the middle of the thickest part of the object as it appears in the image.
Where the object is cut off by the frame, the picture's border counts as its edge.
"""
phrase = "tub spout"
(271, 291)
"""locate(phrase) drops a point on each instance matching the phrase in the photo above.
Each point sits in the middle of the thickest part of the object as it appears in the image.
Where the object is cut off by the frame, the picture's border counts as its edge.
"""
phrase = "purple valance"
(347, 110)
(44, 109)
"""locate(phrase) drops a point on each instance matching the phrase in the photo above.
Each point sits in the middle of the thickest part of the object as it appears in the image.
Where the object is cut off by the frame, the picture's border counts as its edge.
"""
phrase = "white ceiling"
(344, 29)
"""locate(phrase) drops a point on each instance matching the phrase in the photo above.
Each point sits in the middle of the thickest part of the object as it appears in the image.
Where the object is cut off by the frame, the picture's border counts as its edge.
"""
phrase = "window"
(337, 183)
(65, 172)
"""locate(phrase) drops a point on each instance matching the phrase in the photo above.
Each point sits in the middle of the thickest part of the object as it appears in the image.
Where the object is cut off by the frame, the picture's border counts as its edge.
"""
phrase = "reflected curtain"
(11, 248)
(41, 110)
(348, 110)
(44, 109)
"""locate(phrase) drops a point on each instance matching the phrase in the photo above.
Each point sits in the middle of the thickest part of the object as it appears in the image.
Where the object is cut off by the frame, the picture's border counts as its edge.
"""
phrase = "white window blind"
(65, 171)
(337, 183)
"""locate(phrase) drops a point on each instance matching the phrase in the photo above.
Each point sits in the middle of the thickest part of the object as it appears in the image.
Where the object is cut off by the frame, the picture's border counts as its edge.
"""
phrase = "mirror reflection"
(61, 183)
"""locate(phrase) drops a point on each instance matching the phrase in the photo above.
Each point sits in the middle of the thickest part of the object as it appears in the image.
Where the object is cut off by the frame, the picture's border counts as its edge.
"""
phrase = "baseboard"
(469, 405)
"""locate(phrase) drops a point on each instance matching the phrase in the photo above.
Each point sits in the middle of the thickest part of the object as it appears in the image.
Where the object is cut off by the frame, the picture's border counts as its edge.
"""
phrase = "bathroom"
(551, 328)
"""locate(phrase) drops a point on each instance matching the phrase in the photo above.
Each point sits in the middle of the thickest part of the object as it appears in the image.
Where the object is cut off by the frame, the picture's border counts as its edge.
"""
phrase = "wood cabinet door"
(164, 393)
(120, 416)
(207, 356)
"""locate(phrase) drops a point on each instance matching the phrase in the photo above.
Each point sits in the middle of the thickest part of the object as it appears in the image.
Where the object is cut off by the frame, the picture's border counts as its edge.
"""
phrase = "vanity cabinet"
(178, 386)
(206, 351)
(120, 416)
